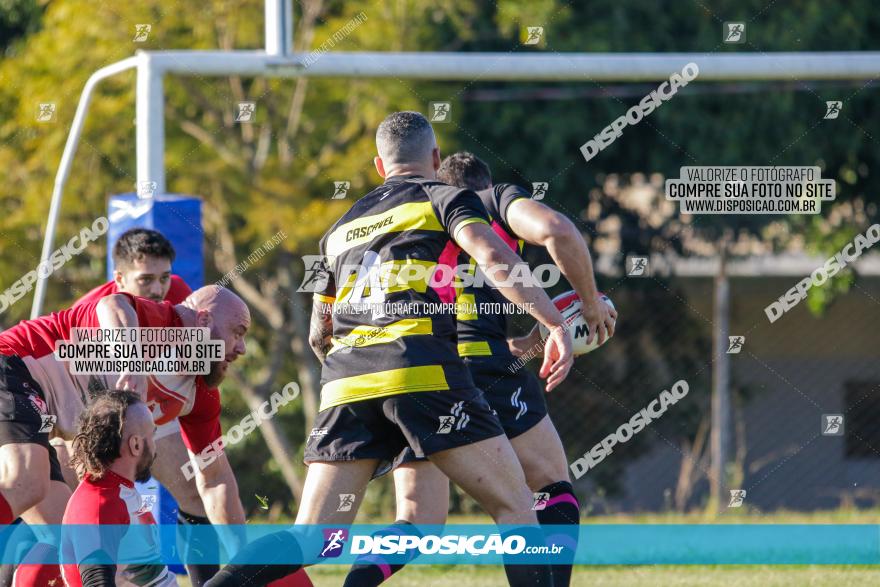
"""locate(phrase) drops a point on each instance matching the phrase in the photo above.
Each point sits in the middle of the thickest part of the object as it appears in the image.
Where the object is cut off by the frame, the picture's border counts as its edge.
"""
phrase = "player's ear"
(435, 154)
(204, 318)
(117, 278)
(135, 445)
(380, 166)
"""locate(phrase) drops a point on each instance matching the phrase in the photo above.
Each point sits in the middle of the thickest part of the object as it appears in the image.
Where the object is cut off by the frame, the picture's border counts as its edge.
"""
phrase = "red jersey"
(169, 397)
(177, 292)
(113, 501)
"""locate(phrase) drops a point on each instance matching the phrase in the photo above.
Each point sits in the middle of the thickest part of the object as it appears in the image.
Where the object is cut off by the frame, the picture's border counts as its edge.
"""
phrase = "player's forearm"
(224, 510)
(116, 311)
(222, 503)
(569, 252)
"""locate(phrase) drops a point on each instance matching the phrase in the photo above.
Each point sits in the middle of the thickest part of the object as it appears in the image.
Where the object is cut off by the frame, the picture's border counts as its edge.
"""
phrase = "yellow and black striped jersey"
(392, 333)
(482, 331)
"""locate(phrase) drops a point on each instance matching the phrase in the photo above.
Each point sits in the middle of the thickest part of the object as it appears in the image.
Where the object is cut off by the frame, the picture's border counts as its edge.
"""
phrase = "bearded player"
(142, 261)
(113, 448)
(44, 397)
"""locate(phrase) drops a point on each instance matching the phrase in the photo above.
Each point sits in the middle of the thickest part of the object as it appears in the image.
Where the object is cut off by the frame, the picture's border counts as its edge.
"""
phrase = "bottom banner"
(607, 544)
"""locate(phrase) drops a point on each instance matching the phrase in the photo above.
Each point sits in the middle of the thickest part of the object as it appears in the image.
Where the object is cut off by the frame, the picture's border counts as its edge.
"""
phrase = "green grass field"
(645, 576)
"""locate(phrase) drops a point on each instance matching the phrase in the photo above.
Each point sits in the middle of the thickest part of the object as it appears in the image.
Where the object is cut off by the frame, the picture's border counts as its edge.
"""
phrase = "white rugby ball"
(569, 305)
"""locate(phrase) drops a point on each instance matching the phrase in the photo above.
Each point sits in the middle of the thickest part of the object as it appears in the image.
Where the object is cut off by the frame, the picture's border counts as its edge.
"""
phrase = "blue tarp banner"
(178, 217)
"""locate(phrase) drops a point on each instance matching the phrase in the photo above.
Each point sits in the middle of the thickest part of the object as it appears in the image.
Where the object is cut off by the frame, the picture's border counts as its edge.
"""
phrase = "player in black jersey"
(515, 394)
(392, 377)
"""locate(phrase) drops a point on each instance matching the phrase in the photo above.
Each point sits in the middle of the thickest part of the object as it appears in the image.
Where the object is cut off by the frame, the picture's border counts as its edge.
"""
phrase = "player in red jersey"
(43, 397)
(142, 261)
(113, 448)
(142, 267)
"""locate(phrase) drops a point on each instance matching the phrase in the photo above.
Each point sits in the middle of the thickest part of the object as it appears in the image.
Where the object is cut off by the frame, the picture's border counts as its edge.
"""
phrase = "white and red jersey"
(169, 397)
(112, 501)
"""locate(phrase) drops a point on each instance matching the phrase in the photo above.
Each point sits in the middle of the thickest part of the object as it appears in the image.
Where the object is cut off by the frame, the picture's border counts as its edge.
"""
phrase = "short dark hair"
(465, 170)
(137, 243)
(98, 441)
(405, 137)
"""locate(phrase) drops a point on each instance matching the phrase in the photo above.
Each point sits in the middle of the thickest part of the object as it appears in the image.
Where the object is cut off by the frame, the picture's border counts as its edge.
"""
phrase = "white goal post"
(279, 60)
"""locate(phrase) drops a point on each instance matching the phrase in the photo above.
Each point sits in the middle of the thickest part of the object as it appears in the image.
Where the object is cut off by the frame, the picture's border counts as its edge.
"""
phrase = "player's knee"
(511, 505)
(26, 491)
(36, 489)
(25, 480)
(542, 472)
(422, 512)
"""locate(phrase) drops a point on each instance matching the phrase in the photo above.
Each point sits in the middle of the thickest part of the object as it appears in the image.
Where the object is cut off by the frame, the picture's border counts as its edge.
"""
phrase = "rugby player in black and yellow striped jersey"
(393, 379)
(515, 394)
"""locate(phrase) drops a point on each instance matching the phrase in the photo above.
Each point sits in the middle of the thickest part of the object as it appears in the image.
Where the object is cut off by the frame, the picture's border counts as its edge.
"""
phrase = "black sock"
(199, 545)
(242, 573)
(561, 521)
(528, 575)
(371, 570)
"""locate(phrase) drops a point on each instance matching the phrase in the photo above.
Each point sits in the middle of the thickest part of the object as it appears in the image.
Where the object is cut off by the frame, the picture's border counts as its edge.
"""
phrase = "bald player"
(142, 260)
(113, 448)
(391, 375)
(44, 397)
(515, 395)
